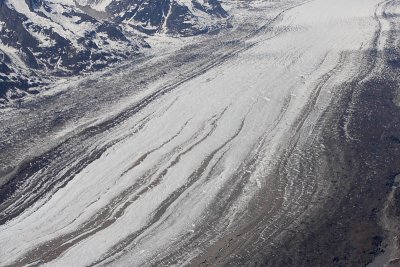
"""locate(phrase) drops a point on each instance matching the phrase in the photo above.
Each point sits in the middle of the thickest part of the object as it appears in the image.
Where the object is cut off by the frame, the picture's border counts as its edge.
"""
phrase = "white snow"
(257, 95)
(99, 5)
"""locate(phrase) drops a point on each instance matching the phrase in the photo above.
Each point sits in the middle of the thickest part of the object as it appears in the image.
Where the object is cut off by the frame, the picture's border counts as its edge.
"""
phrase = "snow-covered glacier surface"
(196, 168)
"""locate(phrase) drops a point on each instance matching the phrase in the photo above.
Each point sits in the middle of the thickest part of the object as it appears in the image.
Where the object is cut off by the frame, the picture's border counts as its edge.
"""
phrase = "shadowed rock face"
(46, 41)
(34, 4)
(175, 17)
(13, 33)
(42, 38)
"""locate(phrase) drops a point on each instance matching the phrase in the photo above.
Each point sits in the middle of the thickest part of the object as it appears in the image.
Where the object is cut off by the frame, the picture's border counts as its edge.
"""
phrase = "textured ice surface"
(163, 168)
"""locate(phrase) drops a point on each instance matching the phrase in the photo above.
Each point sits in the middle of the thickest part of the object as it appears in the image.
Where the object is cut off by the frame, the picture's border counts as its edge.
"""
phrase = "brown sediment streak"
(30, 167)
(159, 213)
(42, 162)
(50, 250)
(233, 244)
(145, 155)
(283, 249)
(237, 182)
(255, 227)
(35, 190)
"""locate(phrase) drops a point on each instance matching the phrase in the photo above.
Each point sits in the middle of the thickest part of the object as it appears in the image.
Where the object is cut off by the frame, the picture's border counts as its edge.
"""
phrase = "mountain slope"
(43, 39)
(181, 17)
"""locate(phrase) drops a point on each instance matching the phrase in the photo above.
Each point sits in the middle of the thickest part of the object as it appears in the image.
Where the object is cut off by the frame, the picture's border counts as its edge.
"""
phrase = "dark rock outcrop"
(47, 39)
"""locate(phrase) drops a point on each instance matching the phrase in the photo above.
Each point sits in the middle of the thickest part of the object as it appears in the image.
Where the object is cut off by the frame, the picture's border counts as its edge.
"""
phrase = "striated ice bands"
(184, 170)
